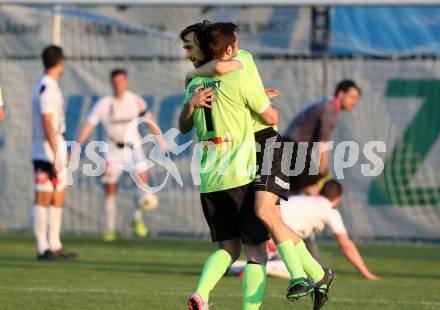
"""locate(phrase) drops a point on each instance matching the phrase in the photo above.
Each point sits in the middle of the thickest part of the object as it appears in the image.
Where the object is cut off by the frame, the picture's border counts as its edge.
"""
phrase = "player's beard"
(197, 63)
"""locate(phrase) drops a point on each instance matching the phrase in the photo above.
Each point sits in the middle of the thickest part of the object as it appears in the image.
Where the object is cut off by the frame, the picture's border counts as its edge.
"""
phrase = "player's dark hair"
(51, 56)
(198, 28)
(118, 71)
(219, 37)
(345, 86)
(332, 189)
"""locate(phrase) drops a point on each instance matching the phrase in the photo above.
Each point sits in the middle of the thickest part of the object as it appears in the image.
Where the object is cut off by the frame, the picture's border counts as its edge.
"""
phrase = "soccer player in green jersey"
(225, 131)
(271, 184)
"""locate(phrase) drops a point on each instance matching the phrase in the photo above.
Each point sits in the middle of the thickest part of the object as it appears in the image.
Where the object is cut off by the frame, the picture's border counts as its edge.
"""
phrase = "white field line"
(185, 294)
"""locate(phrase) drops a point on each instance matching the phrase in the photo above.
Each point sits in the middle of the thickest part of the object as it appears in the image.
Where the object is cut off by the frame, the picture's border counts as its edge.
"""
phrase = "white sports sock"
(137, 211)
(110, 208)
(137, 214)
(55, 218)
(40, 228)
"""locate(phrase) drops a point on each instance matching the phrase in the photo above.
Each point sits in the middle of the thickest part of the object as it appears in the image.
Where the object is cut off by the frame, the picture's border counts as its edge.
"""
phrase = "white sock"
(137, 211)
(40, 228)
(137, 214)
(55, 218)
(110, 208)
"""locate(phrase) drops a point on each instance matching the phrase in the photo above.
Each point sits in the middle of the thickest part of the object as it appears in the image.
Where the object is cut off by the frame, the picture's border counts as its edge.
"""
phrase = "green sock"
(214, 269)
(254, 284)
(311, 266)
(291, 259)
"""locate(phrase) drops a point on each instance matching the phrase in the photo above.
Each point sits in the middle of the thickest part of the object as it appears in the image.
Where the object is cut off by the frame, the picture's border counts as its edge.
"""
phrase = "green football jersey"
(225, 132)
(249, 65)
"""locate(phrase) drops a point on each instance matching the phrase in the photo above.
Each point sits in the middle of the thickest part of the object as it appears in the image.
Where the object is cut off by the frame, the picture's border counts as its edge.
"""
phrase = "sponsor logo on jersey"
(214, 84)
(281, 183)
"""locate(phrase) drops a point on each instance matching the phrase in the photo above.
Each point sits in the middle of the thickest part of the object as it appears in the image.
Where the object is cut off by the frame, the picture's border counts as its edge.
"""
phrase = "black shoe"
(320, 293)
(47, 256)
(298, 288)
(63, 253)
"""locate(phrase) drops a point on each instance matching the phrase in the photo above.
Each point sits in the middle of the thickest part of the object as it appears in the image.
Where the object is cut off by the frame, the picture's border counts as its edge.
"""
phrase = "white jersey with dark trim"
(116, 115)
(310, 214)
(46, 99)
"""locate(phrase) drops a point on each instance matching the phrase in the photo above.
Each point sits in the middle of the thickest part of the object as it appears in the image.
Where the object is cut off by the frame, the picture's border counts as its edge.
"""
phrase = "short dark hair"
(219, 36)
(51, 56)
(332, 189)
(345, 86)
(118, 71)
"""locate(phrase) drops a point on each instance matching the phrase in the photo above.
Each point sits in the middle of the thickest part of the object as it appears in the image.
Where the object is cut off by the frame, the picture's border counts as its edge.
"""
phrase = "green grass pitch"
(160, 274)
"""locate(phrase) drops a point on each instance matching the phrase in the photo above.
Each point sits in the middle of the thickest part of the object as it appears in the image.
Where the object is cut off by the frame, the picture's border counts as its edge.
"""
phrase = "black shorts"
(304, 179)
(269, 177)
(44, 171)
(230, 214)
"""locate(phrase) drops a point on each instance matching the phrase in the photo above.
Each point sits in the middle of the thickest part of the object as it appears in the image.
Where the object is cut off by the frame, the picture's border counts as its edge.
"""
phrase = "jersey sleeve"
(48, 98)
(335, 222)
(254, 97)
(95, 115)
(187, 94)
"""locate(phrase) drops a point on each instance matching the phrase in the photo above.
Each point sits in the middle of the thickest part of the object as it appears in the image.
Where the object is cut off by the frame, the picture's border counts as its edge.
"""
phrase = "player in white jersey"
(2, 115)
(49, 157)
(116, 112)
(308, 215)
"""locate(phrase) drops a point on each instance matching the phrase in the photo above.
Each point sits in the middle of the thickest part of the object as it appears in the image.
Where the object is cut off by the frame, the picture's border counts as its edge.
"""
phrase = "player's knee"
(43, 198)
(257, 255)
(111, 189)
(59, 198)
(264, 214)
(233, 250)
(235, 256)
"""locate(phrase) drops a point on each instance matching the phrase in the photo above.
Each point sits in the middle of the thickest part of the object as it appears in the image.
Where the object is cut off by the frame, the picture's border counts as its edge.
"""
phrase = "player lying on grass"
(49, 156)
(224, 128)
(308, 215)
(116, 112)
(270, 183)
